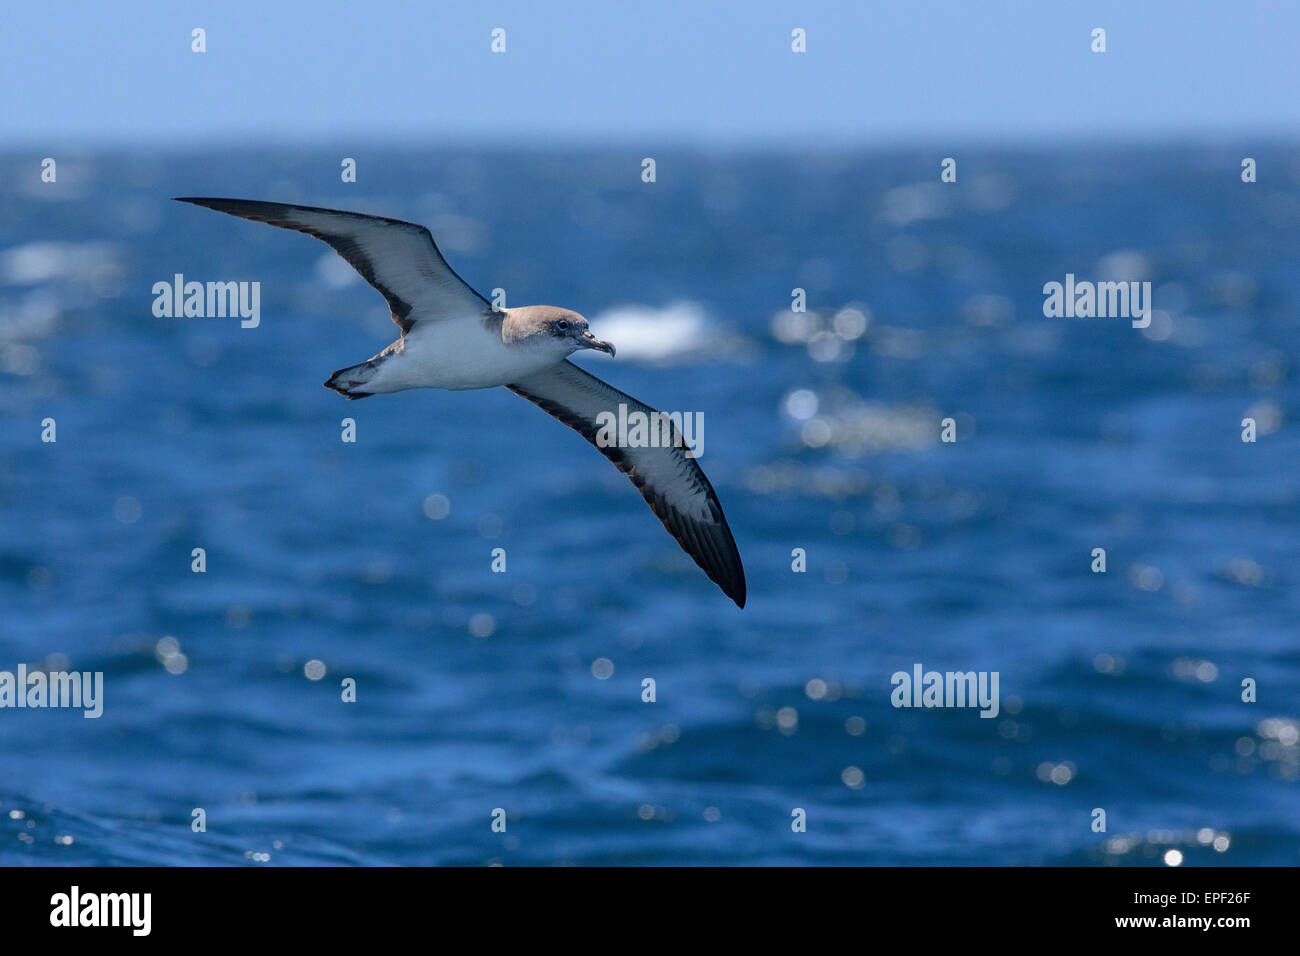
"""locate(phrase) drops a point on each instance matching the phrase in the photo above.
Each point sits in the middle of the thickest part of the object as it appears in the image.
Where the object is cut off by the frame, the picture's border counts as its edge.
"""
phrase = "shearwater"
(453, 338)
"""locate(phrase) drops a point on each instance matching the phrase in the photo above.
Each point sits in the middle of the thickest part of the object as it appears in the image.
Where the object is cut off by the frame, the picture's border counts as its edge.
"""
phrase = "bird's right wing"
(672, 482)
(398, 258)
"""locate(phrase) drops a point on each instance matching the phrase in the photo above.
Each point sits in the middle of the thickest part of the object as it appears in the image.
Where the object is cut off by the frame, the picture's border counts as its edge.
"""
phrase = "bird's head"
(548, 327)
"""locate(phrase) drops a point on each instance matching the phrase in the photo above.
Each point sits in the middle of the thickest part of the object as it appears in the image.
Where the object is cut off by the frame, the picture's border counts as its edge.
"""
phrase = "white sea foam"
(648, 334)
(37, 262)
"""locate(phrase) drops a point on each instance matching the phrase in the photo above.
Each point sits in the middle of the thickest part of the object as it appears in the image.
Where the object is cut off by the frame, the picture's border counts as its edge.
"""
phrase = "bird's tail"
(351, 381)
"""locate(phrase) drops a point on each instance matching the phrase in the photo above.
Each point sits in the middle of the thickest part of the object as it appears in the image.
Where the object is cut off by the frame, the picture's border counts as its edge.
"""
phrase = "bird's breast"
(465, 354)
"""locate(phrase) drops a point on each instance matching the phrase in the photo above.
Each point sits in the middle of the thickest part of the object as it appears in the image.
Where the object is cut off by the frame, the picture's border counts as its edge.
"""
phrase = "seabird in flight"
(454, 338)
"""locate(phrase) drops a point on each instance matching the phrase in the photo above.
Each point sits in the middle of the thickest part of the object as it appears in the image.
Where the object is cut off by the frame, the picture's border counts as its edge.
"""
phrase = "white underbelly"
(458, 355)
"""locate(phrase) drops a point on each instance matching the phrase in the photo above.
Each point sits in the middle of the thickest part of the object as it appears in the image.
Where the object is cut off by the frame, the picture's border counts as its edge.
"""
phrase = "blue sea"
(518, 696)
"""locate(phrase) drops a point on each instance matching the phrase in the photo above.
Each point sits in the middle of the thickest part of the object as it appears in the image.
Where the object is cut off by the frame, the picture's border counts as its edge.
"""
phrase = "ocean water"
(326, 560)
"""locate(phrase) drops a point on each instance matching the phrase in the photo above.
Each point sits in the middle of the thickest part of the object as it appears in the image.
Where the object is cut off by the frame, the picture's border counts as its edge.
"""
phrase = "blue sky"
(876, 71)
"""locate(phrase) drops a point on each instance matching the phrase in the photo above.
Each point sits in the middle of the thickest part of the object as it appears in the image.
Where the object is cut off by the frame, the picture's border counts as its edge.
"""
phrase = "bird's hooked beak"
(590, 341)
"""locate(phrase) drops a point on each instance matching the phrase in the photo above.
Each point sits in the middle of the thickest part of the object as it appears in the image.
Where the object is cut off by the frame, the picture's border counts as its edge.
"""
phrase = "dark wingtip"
(234, 207)
(737, 589)
(206, 202)
(730, 578)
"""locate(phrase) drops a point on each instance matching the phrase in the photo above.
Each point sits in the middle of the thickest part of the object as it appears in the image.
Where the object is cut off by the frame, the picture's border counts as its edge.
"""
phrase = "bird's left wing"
(398, 258)
(670, 480)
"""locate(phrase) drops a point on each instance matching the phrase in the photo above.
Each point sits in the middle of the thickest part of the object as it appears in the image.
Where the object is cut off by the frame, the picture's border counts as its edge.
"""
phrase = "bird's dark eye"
(562, 325)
